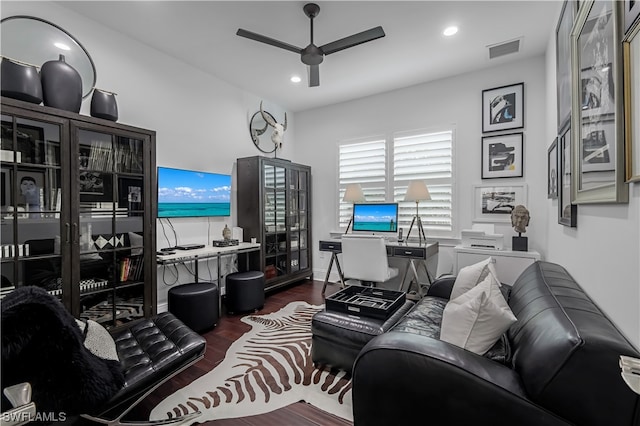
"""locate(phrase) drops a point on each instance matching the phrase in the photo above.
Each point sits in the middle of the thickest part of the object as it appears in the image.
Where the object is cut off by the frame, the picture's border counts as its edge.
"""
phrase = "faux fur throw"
(43, 345)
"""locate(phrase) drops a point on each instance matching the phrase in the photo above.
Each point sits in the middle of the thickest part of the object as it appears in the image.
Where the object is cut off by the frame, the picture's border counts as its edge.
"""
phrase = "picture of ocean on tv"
(190, 193)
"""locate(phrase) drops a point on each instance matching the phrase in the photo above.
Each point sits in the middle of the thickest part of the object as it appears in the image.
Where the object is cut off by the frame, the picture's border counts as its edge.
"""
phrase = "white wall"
(603, 252)
(454, 101)
(201, 121)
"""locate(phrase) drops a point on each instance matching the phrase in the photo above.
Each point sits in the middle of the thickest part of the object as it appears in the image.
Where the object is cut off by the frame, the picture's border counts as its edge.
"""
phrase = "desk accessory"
(225, 243)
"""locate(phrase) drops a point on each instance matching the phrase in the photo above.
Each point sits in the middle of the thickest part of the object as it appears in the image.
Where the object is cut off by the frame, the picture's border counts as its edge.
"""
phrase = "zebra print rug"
(268, 368)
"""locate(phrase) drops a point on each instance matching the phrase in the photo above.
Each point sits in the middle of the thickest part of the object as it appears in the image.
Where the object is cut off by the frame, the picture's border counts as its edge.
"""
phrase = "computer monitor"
(375, 217)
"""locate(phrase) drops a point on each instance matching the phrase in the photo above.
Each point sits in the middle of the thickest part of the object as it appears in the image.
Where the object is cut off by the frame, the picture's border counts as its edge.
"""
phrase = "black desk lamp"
(417, 191)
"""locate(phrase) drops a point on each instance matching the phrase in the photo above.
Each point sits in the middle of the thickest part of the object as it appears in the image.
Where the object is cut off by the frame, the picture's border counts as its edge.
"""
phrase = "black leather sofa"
(561, 364)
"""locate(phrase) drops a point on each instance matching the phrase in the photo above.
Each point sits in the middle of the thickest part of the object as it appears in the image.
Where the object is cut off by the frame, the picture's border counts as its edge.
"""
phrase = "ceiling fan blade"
(268, 40)
(353, 40)
(314, 75)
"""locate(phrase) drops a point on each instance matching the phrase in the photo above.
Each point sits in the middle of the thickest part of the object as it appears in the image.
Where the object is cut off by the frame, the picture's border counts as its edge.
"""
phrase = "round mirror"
(36, 41)
(261, 133)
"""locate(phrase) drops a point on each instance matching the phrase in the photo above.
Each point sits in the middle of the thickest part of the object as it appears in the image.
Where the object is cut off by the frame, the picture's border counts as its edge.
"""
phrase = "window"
(385, 167)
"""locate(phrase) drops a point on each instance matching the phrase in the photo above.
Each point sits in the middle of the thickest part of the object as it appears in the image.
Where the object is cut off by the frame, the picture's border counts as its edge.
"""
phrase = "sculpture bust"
(520, 218)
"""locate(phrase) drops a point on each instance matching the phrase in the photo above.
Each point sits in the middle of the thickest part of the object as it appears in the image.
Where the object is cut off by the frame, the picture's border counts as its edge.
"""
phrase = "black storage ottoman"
(337, 338)
(245, 291)
(195, 304)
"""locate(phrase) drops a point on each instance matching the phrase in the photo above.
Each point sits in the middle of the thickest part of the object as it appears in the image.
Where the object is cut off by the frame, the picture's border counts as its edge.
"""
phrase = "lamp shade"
(417, 191)
(353, 194)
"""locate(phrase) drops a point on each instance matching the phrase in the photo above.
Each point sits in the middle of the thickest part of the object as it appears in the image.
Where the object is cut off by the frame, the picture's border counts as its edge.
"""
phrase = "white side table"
(509, 264)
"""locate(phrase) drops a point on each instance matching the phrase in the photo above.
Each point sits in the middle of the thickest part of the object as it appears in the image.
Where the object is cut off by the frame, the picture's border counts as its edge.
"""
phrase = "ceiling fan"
(313, 55)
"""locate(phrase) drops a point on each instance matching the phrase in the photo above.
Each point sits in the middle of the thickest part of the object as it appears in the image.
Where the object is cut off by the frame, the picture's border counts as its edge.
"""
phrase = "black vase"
(61, 85)
(103, 105)
(20, 81)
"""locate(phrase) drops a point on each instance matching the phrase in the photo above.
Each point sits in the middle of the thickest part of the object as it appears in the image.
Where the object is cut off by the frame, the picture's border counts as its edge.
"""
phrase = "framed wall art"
(95, 187)
(552, 170)
(631, 47)
(503, 108)
(563, 61)
(567, 211)
(502, 156)
(630, 14)
(495, 203)
(598, 173)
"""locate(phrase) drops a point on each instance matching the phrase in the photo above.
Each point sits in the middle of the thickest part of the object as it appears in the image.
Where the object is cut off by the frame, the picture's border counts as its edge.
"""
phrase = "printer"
(482, 236)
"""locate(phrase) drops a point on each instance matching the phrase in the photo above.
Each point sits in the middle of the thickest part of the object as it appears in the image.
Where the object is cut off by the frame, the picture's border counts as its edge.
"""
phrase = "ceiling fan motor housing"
(312, 55)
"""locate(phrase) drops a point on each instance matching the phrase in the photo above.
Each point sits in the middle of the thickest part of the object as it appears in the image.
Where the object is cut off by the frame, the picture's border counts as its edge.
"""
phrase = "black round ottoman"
(195, 304)
(245, 291)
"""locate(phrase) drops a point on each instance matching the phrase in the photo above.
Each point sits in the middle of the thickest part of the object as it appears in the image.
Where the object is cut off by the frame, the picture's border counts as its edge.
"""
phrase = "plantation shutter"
(426, 157)
(363, 163)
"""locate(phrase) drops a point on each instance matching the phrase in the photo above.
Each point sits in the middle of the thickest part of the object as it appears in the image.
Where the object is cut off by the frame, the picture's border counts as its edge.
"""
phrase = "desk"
(411, 251)
(207, 252)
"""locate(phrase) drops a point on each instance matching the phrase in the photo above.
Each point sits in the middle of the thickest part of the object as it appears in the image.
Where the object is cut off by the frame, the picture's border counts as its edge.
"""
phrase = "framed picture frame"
(630, 14)
(503, 108)
(567, 211)
(130, 193)
(598, 169)
(552, 170)
(631, 60)
(95, 187)
(30, 190)
(495, 203)
(502, 156)
(563, 61)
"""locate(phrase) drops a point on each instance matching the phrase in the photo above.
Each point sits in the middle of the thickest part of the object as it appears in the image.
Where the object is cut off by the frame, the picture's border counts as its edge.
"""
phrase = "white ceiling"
(203, 34)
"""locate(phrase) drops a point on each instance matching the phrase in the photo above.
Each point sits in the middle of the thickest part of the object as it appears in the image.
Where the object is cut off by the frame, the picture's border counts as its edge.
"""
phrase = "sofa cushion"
(470, 276)
(476, 319)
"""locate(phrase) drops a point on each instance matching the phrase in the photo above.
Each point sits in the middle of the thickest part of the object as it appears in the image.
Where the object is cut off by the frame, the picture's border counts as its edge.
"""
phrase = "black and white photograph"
(495, 203)
(597, 94)
(552, 170)
(30, 190)
(502, 156)
(95, 186)
(503, 108)
(563, 61)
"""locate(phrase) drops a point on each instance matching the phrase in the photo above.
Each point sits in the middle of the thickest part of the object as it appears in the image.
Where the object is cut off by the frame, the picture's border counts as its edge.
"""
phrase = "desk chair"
(364, 258)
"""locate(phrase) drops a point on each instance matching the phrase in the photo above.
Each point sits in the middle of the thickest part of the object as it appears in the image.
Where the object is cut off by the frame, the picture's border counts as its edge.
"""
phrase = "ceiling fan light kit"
(313, 55)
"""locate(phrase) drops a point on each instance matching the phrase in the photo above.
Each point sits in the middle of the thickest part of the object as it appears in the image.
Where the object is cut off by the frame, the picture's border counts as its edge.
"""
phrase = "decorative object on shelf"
(103, 105)
(598, 141)
(563, 61)
(417, 191)
(520, 220)
(313, 55)
(567, 211)
(226, 232)
(353, 194)
(257, 127)
(61, 85)
(35, 40)
(552, 170)
(495, 203)
(503, 108)
(502, 156)
(20, 81)
(631, 54)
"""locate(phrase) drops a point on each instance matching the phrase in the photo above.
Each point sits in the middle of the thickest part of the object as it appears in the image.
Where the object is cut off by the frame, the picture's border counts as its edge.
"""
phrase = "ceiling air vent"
(505, 48)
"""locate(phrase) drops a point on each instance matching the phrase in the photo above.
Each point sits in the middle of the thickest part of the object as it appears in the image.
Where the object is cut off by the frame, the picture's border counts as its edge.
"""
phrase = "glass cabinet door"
(298, 234)
(109, 238)
(275, 220)
(33, 240)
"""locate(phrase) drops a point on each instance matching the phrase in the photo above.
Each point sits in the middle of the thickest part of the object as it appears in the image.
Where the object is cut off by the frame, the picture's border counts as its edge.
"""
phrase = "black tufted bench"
(151, 350)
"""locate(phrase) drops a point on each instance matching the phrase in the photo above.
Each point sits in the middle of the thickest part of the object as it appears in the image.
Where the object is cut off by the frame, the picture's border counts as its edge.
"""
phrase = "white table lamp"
(417, 191)
(353, 194)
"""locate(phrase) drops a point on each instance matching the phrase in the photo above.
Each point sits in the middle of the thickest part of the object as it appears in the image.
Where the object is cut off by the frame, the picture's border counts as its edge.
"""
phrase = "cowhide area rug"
(268, 368)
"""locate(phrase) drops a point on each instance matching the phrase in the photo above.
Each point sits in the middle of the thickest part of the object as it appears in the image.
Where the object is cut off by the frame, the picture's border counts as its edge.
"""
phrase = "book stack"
(131, 268)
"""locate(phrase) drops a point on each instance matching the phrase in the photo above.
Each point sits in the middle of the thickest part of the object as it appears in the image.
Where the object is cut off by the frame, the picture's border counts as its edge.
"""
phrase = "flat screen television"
(190, 193)
(375, 217)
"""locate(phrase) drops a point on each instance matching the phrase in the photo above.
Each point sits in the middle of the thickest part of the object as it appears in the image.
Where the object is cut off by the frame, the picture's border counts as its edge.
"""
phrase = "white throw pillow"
(469, 277)
(135, 240)
(476, 319)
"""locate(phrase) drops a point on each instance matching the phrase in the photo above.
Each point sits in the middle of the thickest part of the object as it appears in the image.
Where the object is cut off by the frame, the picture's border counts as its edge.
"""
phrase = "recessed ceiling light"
(449, 31)
(295, 79)
(61, 46)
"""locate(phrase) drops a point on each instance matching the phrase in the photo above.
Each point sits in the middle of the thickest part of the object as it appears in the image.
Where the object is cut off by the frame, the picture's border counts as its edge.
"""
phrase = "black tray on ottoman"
(366, 301)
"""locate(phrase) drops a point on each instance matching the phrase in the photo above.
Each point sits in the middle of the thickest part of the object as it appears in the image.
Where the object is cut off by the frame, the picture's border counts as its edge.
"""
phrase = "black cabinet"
(274, 206)
(78, 211)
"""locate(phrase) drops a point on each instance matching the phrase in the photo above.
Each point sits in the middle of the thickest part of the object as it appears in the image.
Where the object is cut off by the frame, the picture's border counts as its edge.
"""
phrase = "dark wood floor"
(220, 338)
